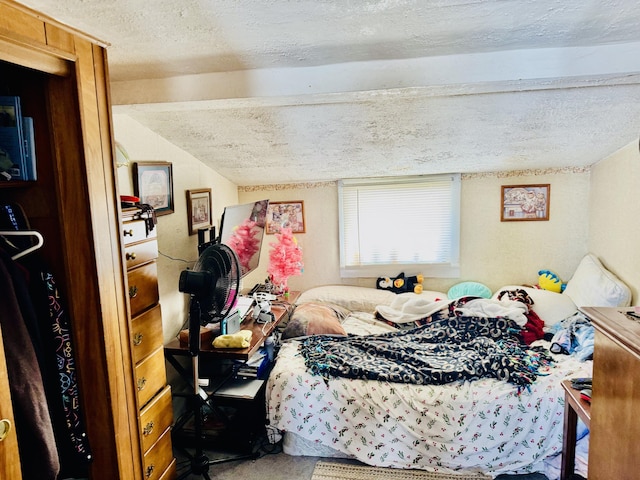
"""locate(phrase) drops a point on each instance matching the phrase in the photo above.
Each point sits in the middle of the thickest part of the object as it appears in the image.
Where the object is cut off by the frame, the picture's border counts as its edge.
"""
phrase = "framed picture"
(525, 202)
(287, 215)
(199, 209)
(153, 184)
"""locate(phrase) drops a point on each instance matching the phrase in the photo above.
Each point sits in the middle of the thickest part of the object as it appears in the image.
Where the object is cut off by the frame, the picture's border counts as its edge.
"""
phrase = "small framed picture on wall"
(153, 184)
(525, 202)
(198, 209)
(285, 215)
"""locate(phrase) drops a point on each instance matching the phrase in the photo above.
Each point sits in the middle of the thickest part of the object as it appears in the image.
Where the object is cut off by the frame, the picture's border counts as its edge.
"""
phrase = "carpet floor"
(272, 464)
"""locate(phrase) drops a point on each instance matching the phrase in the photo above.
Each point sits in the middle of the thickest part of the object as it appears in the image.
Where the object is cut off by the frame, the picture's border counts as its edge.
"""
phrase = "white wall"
(614, 215)
(492, 252)
(499, 253)
(178, 249)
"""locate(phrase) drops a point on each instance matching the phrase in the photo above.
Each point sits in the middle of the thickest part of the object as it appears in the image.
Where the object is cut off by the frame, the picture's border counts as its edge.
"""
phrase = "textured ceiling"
(278, 91)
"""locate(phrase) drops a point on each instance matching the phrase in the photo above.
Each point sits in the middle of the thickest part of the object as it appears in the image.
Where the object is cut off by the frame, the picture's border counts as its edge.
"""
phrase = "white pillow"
(592, 285)
(357, 299)
(551, 307)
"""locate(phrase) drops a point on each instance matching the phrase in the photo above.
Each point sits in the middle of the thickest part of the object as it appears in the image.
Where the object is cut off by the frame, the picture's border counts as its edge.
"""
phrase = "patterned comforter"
(443, 351)
(486, 425)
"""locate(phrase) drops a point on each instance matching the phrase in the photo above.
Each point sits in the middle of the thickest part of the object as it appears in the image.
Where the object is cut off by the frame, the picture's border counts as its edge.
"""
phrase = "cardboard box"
(207, 334)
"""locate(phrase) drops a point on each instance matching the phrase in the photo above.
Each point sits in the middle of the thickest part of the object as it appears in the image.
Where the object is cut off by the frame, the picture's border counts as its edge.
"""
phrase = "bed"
(486, 424)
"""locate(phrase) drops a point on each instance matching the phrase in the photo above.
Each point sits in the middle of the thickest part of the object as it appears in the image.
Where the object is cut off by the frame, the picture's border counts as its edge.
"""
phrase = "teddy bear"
(401, 284)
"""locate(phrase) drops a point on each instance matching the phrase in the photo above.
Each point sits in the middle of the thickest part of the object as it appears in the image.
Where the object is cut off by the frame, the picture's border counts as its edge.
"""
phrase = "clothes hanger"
(23, 233)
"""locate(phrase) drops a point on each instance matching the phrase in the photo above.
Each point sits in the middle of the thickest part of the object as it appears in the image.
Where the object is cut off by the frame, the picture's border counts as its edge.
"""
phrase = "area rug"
(344, 471)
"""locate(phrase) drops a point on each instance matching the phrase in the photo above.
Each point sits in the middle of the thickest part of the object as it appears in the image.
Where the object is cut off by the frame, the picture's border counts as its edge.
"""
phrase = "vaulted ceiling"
(279, 91)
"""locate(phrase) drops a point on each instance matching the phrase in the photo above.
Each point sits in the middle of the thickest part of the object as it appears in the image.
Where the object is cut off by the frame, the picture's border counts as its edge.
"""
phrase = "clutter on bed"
(455, 427)
(348, 402)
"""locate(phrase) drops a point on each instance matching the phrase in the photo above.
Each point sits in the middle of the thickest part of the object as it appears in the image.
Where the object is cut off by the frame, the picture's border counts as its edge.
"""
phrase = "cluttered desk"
(233, 395)
(260, 331)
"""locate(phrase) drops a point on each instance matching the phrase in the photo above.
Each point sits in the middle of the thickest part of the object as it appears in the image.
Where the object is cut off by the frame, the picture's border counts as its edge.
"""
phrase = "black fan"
(213, 285)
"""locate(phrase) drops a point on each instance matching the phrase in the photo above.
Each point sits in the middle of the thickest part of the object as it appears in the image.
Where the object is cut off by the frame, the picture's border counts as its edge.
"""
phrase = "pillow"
(550, 306)
(469, 289)
(314, 318)
(356, 299)
(592, 285)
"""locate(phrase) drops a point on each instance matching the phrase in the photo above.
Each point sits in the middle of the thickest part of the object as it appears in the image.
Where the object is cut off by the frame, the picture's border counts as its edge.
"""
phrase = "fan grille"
(220, 267)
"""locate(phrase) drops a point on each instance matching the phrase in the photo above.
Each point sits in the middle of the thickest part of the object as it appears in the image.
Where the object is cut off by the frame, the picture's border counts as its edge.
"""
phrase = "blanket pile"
(442, 351)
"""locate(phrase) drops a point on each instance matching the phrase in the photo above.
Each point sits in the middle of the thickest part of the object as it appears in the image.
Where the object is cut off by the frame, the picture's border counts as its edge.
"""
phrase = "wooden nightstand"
(574, 408)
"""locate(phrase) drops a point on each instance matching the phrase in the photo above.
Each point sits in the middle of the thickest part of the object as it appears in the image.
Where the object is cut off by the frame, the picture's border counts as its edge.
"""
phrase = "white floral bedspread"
(482, 425)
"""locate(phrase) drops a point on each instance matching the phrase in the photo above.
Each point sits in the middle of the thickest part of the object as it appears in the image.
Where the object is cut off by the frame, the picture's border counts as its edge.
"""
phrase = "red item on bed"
(533, 329)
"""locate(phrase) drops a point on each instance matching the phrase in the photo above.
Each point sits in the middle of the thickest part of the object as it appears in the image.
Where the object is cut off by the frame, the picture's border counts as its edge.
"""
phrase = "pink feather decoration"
(243, 241)
(285, 259)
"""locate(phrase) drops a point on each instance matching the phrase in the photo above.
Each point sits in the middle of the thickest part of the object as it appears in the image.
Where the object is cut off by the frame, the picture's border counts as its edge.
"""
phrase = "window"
(388, 225)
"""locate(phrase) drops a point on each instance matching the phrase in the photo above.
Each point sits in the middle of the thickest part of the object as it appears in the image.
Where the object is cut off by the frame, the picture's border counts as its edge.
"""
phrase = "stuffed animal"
(401, 284)
(547, 280)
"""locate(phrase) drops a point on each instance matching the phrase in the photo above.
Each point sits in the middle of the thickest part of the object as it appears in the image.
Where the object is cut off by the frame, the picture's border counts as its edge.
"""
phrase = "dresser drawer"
(171, 472)
(158, 458)
(136, 231)
(143, 287)
(140, 253)
(155, 418)
(146, 333)
(151, 376)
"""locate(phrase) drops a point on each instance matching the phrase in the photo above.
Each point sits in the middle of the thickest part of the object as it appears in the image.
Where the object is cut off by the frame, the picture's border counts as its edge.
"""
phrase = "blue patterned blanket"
(442, 351)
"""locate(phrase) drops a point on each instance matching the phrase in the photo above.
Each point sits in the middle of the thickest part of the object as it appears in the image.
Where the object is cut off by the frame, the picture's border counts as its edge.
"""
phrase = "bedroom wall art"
(153, 184)
(199, 209)
(285, 215)
(525, 202)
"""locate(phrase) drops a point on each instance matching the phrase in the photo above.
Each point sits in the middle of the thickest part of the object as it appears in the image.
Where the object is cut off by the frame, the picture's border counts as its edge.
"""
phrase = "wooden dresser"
(615, 401)
(153, 394)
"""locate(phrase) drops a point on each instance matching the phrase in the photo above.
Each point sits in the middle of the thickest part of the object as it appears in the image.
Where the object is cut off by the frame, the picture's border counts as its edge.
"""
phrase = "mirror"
(242, 229)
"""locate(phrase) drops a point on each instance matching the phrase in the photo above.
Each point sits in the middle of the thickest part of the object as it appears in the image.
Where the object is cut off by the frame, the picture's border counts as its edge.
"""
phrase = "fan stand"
(199, 463)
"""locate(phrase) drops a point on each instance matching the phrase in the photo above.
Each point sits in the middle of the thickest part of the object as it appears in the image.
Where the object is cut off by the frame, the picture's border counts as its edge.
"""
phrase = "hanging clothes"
(51, 335)
(60, 376)
(48, 328)
(36, 440)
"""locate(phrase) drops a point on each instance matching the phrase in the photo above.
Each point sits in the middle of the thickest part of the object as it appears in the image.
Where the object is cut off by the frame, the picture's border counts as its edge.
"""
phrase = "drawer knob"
(133, 291)
(141, 383)
(5, 428)
(148, 429)
(137, 339)
(150, 470)
(128, 232)
(131, 256)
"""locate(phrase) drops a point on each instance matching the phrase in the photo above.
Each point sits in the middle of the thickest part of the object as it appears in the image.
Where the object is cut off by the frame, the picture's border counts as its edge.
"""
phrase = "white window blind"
(389, 225)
